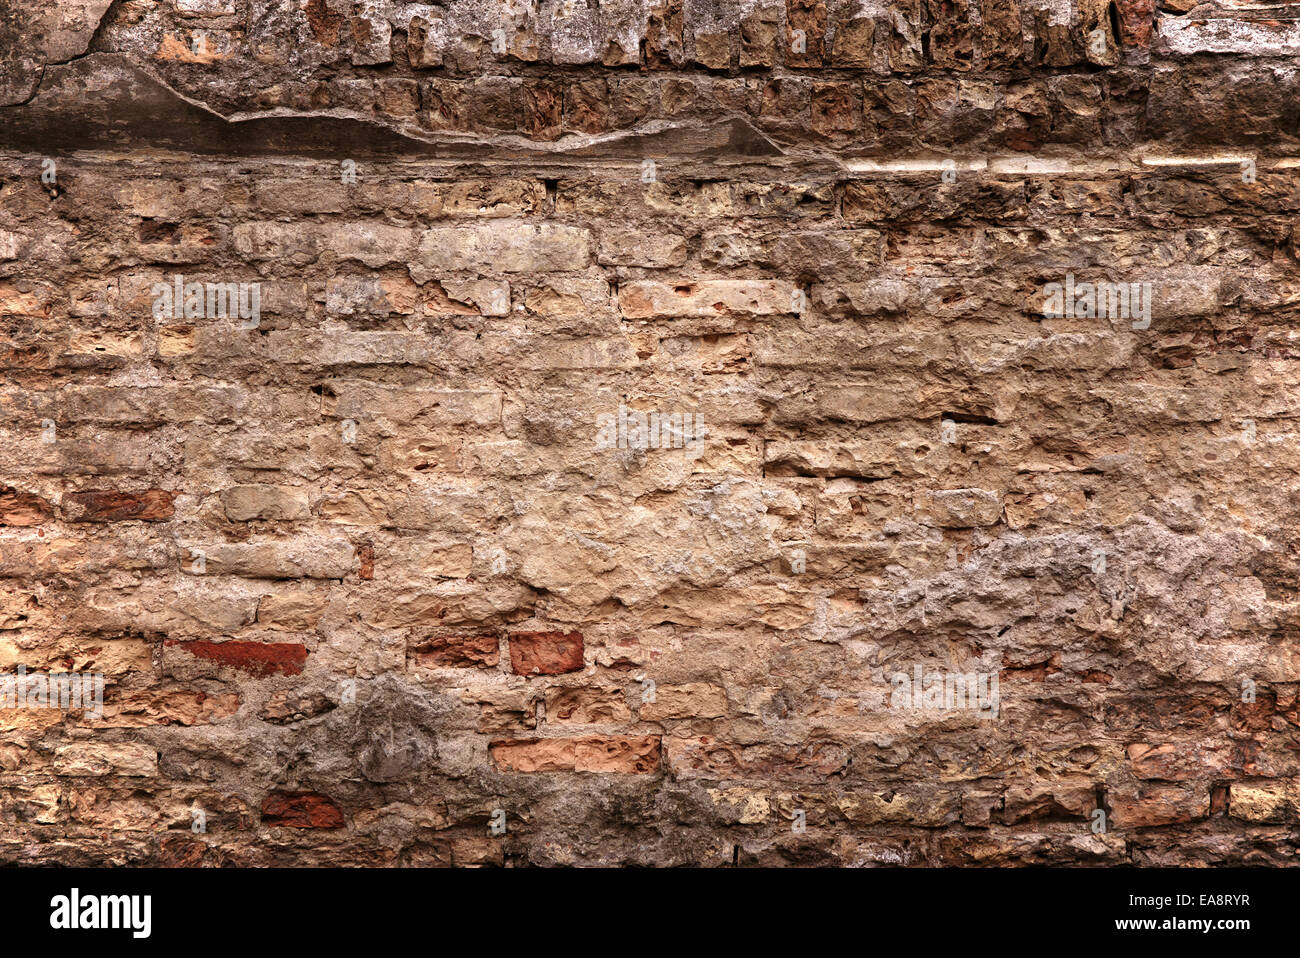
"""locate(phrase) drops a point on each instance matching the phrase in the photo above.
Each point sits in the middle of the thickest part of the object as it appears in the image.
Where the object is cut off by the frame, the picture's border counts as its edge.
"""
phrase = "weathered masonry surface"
(388, 563)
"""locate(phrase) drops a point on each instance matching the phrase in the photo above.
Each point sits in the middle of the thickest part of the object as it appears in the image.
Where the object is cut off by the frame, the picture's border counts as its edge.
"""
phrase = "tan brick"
(722, 297)
(91, 759)
(649, 250)
(503, 247)
(693, 700)
(303, 558)
(586, 706)
(628, 755)
(248, 503)
(1275, 802)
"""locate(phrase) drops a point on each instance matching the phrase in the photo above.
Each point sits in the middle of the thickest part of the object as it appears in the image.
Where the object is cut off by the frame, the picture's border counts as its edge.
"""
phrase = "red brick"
(458, 651)
(301, 810)
(545, 653)
(22, 508)
(1183, 762)
(258, 659)
(109, 505)
(1135, 21)
(1149, 805)
(176, 852)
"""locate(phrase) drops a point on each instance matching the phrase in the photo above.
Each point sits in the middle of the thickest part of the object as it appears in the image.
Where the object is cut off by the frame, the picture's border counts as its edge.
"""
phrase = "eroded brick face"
(545, 653)
(255, 658)
(663, 424)
(300, 810)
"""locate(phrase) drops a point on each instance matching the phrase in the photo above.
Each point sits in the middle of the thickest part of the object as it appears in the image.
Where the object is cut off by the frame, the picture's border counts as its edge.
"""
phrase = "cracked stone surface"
(376, 543)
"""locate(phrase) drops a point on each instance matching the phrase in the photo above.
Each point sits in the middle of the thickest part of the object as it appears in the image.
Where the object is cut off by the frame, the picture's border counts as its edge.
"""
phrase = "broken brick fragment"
(301, 810)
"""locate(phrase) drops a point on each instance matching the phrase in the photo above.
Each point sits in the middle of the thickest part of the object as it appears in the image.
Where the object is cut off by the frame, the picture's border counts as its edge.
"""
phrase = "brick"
(1135, 21)
(437, 407)
(648, 250)
(962, 508)
(16, 301)
(12, 245)
(301, 810)
(1039, 800)
(41, 804)
(372, 35)
(64, 556)
(248, 503)
(713, 50)
(835, 108)
(905, 50)
(277, 241)
(1272, 803)
(328, 559)
(706, 756)
(504, 712)
(1263, 38)
(205, 8)
(503, 247)
(293, 196)
(497, 197)
(758, 33)
(626, 755)
(374, 244)
(644, 300)
(457, 651)
(23, 508)
(186, 707)
(295, 611)
(258, 659)
(1156, 805)
(1174, 763)
(204, 47)
(426, 40)
(917, 808)
(152, 505)
(854, 43)
(545, 653)
(950, 34)
(109, 655)
(692, 700)
(586, 706)
(132, 761)
(334, 349)
(1001, 37)
(425, 560)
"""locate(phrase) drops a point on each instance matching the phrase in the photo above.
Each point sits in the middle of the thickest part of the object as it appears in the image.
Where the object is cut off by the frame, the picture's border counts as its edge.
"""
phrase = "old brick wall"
(387, 568)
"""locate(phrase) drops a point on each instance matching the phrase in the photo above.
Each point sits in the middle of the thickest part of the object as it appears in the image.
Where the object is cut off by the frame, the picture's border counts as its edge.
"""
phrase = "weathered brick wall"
(381, 564)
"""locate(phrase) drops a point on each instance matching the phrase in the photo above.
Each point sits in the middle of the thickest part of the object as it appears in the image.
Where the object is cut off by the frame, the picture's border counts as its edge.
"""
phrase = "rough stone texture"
(407, 557)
